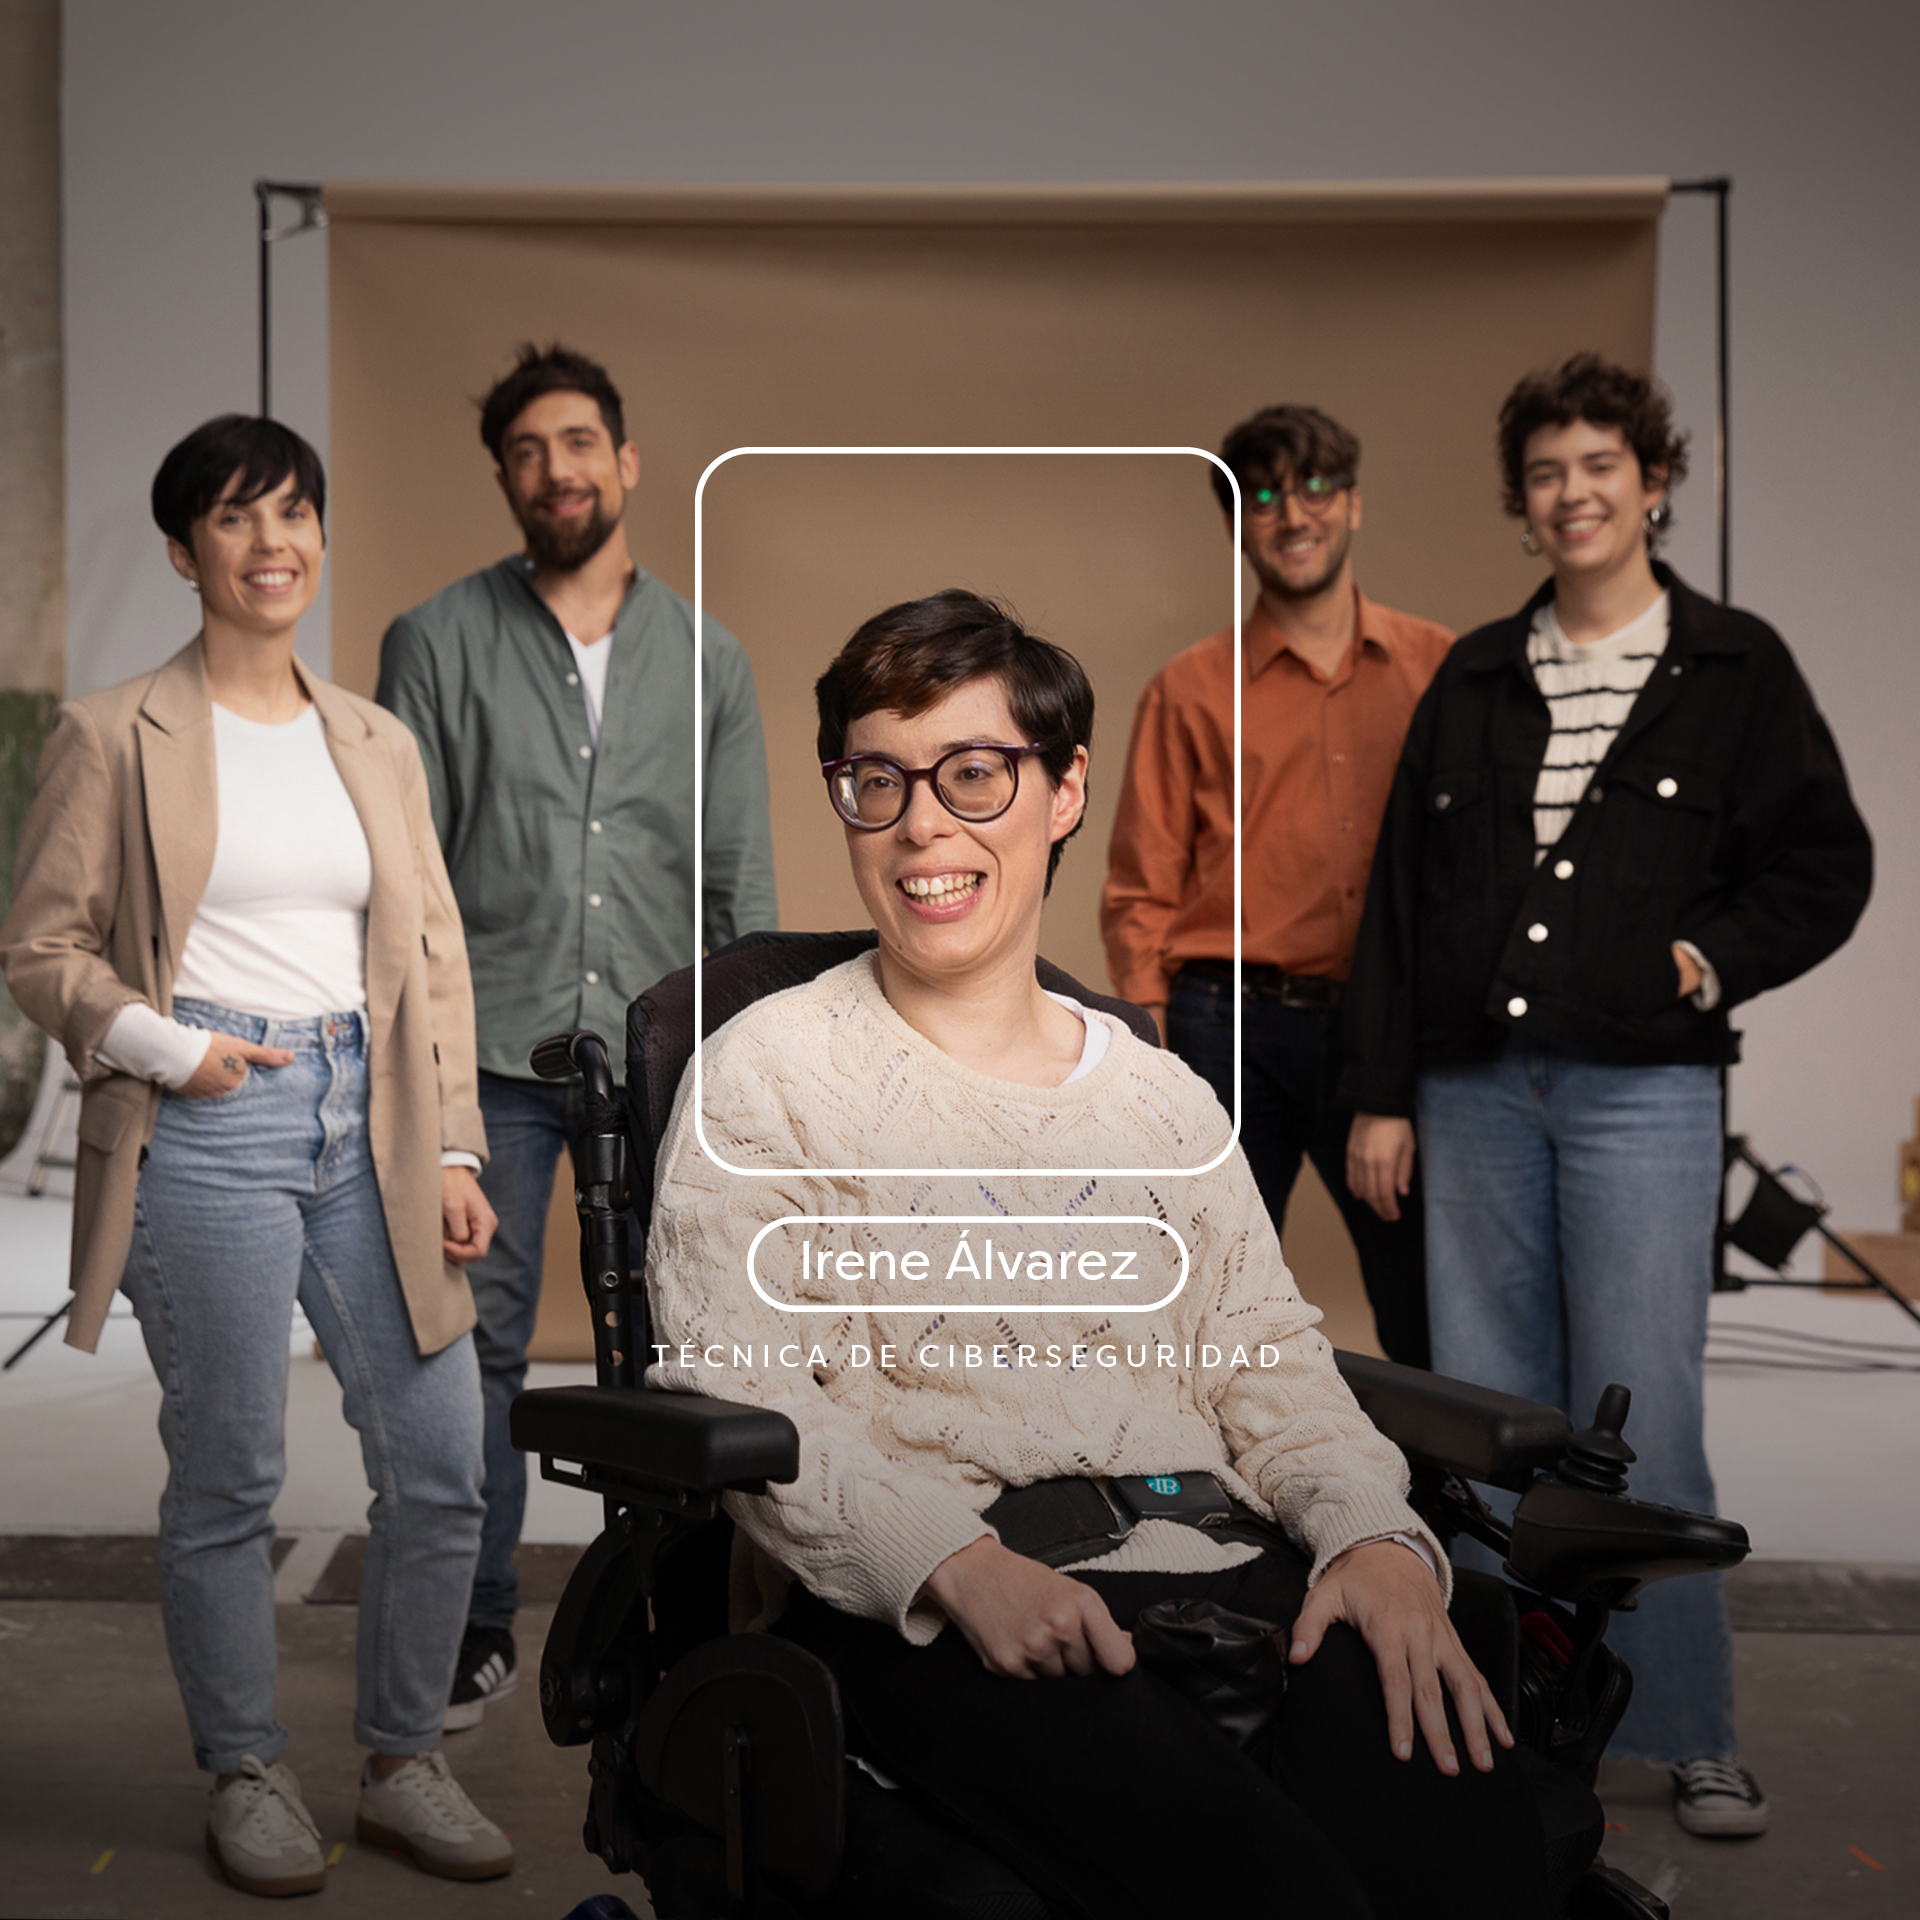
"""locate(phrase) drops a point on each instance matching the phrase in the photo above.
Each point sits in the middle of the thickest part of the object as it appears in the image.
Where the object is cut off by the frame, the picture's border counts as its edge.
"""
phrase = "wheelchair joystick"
(1597, 1458)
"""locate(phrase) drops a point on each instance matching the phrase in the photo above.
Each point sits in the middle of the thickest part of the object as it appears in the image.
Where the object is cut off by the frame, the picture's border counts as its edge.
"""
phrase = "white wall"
(172, 111)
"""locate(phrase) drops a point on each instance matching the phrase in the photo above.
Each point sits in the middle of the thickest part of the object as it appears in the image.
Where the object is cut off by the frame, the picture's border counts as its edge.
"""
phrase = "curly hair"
(1596, 390)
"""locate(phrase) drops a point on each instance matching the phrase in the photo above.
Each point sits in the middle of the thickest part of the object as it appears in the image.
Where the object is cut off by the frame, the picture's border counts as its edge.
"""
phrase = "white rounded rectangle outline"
(699, 851)
(970, 1220)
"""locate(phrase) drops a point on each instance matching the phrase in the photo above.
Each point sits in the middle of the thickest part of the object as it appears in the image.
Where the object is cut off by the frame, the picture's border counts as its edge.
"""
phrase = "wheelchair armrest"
(1455, 1426)
(1579, 1544)
(681, 1440)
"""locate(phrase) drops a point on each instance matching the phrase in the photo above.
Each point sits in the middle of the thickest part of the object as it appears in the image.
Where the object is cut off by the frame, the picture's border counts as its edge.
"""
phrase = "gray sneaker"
(1717, 1797)
(421, 1810)
(262, 1834)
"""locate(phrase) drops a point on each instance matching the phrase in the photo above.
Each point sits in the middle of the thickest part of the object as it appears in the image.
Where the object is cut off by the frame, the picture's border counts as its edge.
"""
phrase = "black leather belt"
(1315, 990)
(1060, 1521)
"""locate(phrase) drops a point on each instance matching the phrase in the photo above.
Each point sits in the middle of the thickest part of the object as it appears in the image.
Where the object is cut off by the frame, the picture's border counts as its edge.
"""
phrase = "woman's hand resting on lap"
(226, 1063)
(466, 1220)
(1391, 1599)
(1024, 1620)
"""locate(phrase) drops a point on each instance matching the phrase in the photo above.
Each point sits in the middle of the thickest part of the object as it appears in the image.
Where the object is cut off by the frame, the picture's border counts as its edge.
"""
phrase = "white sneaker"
(262, 1834)
(1716, 1796)
(422, 1810)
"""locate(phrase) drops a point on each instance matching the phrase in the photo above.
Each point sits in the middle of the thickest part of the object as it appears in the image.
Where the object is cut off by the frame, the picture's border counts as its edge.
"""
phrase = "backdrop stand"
(313, 217)
(1720, 187)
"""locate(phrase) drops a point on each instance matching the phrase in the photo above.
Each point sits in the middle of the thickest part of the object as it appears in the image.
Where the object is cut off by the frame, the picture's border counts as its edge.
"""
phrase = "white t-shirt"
(281, 930)
(591, 657)
(1093, 1047)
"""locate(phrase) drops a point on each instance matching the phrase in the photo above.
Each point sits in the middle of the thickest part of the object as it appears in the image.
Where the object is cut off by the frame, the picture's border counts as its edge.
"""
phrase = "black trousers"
(1115, 1800)
(1290, 1075)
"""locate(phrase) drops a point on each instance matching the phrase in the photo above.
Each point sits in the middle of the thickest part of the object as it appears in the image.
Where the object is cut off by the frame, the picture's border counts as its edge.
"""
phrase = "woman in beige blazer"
(231, 910)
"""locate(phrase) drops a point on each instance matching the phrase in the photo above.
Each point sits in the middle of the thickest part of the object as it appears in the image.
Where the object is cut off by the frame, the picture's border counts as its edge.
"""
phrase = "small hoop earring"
(1528, 544)
(1657, 520)
(193, 586)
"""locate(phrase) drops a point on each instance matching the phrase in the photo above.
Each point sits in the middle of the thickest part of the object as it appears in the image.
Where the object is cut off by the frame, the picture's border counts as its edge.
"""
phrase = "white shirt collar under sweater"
(1091, 1079)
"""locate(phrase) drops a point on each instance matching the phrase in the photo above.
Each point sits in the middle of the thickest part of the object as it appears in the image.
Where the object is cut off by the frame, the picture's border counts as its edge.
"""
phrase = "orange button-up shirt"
(1318, 755)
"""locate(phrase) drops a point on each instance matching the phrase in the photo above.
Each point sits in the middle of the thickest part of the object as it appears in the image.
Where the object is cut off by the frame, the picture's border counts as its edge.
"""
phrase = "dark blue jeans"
(1290, 1073)
(529, 1124)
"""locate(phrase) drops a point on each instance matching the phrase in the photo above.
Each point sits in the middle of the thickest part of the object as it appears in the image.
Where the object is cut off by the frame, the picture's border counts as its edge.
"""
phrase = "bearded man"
(552, 695)
(1328, 681)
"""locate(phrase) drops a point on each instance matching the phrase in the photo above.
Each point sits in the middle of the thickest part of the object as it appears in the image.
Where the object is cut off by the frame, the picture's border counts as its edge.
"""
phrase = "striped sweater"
(1590, 687)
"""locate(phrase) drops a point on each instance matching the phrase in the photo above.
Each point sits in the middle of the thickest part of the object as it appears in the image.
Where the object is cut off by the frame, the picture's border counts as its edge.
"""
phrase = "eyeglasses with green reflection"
(1316, 493)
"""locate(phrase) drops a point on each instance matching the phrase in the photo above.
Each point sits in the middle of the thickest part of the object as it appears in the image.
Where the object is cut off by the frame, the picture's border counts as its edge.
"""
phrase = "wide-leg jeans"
(248, 1201)
(1570, 1219)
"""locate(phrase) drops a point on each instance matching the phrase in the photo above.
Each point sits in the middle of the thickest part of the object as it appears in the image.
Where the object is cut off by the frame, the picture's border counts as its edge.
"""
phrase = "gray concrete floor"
(102, 1810)
(1830, 1725)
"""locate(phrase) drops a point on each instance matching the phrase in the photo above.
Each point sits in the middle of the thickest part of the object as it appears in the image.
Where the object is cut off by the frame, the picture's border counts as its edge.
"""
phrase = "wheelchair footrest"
(731, 1720)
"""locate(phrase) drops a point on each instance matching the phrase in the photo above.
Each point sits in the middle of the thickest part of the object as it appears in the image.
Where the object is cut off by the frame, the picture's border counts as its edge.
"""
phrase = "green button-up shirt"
(573, 863)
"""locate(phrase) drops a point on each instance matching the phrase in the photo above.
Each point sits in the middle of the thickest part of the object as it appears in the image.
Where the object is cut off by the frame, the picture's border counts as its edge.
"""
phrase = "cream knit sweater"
(902, 1445)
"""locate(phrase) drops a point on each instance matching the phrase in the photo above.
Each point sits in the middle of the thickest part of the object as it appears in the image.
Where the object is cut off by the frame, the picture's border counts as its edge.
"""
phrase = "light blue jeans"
(248, 1201)
(1570, 1218)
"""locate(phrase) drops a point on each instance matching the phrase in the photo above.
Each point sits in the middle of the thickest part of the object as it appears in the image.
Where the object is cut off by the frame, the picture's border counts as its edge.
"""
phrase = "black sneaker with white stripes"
(1716, 1796)
(486, 1671)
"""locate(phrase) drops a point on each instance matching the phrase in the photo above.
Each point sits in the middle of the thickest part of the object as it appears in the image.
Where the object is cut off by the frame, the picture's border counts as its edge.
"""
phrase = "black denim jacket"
(1720, 815)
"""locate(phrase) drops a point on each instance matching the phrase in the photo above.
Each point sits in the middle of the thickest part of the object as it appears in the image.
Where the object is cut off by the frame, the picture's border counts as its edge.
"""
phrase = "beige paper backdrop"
(1016, 316)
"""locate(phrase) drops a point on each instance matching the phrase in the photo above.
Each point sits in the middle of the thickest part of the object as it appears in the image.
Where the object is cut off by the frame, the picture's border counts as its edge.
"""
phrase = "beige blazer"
(113, 860)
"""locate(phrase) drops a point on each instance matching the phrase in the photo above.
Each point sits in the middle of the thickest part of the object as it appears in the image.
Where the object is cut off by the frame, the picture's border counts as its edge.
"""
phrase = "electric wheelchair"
(718, 1768)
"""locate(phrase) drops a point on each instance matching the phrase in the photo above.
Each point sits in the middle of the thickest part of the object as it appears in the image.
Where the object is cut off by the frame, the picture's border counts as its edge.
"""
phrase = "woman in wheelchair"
(1004, 1686)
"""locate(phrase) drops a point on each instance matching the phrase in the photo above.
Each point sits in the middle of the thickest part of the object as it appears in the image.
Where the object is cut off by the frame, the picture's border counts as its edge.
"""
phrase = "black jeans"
(1290, 1072)
(1115, 1800)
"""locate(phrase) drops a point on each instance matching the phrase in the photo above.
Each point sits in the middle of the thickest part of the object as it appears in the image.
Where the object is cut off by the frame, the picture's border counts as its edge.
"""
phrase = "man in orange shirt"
(1328, 684)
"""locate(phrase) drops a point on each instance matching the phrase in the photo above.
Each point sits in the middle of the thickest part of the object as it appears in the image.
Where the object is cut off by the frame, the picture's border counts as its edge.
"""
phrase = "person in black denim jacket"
(1618, 815)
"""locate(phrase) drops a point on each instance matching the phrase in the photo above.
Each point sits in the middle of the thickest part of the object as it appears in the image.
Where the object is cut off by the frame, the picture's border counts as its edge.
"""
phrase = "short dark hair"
(260, 454)
(1596, 390)
(549, 369)
(913, 655)
(1296, 440)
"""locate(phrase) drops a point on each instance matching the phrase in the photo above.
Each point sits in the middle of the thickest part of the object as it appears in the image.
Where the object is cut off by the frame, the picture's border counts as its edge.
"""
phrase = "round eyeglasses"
(975, 783)
(1316, 493)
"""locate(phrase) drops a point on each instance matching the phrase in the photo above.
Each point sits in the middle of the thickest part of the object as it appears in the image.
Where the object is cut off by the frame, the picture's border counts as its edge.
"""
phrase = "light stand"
(33, 1339)
(1772, 1223)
